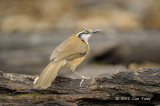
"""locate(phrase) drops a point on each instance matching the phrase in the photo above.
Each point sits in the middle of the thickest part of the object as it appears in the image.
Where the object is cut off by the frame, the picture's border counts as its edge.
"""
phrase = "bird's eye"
(85, 32)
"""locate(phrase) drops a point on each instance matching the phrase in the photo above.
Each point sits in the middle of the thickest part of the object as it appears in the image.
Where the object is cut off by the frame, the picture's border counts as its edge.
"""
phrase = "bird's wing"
(70, 49)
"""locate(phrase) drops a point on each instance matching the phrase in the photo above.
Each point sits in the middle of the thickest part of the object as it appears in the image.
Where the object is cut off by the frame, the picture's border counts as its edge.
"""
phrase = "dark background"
(31, 29)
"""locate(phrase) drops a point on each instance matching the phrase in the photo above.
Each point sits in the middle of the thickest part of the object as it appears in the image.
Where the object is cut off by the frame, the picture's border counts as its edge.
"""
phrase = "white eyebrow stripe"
(80, 32)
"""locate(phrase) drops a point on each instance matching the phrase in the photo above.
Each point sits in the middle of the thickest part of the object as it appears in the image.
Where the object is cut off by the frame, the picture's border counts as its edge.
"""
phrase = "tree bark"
(124, 87)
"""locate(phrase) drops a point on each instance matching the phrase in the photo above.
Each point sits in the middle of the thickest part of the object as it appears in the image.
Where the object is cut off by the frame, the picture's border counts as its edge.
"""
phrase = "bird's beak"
(95, 31)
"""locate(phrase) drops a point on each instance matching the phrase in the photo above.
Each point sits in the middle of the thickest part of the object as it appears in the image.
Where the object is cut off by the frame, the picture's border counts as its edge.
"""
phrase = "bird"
(69, 53)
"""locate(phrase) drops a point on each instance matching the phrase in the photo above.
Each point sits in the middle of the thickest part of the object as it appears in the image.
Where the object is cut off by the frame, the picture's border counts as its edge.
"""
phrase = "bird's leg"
(80, 75)
(83, 77)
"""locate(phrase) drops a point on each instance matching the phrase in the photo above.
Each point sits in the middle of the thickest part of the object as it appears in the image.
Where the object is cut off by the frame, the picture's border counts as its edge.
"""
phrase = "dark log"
(134, 87)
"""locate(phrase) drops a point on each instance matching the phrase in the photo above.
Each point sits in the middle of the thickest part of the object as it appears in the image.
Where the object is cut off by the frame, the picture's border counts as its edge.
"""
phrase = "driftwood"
(124, 87)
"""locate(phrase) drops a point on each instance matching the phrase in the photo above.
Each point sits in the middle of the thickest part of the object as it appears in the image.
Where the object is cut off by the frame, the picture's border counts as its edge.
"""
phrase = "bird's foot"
(83, 78)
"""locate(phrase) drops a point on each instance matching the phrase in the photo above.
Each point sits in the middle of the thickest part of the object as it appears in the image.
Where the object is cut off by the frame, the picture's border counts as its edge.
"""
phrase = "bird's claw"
(83, 78)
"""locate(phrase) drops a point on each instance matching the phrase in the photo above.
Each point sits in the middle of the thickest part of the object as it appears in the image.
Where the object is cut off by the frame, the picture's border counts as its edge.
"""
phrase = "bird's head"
(85, 34)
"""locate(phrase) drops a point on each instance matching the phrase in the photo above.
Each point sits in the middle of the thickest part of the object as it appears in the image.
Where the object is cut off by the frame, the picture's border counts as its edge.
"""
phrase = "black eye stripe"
(80, 35)
(83, 32)
(86, 32)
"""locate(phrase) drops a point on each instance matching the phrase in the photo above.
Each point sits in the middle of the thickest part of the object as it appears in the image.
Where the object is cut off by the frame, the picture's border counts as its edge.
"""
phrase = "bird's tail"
(48, 75)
